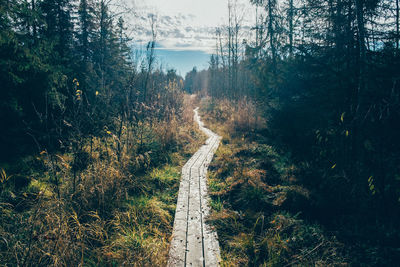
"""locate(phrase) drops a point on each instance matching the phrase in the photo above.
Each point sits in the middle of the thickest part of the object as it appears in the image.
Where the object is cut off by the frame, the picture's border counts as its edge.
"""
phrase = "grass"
(98, 206)
(257, 203)
(145, 226)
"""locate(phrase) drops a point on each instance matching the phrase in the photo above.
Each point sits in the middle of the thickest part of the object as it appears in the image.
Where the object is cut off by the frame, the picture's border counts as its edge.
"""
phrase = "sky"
(185, 29)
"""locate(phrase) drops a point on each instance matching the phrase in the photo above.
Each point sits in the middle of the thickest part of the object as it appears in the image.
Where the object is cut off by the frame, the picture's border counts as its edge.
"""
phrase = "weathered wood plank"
(194, 243)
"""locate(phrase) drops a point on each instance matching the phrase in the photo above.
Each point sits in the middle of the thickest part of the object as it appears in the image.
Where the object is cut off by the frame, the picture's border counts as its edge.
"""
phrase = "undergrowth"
(258, 206)
(103, 205)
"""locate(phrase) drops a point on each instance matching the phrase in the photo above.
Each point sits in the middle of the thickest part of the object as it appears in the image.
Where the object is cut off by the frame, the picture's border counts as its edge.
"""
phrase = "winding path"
(194, 243)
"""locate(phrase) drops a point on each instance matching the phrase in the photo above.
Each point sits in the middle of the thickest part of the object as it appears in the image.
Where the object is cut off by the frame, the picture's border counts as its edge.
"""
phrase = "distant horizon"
(183, 61)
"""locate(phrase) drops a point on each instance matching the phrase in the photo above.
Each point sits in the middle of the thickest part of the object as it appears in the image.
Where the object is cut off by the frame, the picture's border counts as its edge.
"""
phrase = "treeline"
(325, 75)
(68, 69)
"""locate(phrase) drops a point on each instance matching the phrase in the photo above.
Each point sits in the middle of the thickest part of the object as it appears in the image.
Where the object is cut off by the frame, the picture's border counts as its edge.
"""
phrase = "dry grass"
(110, 202)
(241, 116)
(256, 200)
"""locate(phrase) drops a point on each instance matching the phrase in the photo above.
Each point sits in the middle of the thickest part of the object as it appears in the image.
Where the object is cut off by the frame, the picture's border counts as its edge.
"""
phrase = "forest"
(94, 134)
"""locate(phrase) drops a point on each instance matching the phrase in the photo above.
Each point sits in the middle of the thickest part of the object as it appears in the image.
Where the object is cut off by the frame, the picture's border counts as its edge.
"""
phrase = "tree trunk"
(361, 46)
(290, 28)
(358, 101)
(397, 25)
(34, 20)
(85, 28)
(271, 33)
(230, 41)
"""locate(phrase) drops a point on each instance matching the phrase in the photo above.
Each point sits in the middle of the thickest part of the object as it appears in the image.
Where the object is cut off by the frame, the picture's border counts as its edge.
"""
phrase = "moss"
(38, 187)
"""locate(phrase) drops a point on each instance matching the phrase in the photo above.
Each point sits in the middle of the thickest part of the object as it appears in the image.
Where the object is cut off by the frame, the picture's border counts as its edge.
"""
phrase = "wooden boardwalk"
(194, 243)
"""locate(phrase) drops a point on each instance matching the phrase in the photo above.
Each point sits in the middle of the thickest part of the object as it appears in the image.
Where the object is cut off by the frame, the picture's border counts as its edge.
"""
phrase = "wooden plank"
(194, 243)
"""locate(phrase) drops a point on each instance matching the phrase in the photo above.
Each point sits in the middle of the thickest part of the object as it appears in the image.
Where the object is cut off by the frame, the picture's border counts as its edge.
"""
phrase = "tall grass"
(257, 202)
(109, 202)
(241, 116)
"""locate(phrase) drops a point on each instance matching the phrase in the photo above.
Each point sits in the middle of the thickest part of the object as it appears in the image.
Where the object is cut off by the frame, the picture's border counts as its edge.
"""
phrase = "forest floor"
(257, 203)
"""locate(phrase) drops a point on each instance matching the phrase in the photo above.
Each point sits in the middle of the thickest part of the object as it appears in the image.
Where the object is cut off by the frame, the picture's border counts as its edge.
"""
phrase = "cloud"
(182, 25)
(174, 31)
(185, 29)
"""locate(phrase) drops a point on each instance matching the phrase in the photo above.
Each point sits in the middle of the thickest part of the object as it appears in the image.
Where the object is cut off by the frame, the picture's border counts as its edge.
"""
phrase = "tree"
(86, 28)
(190, 81)
(57, 16)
